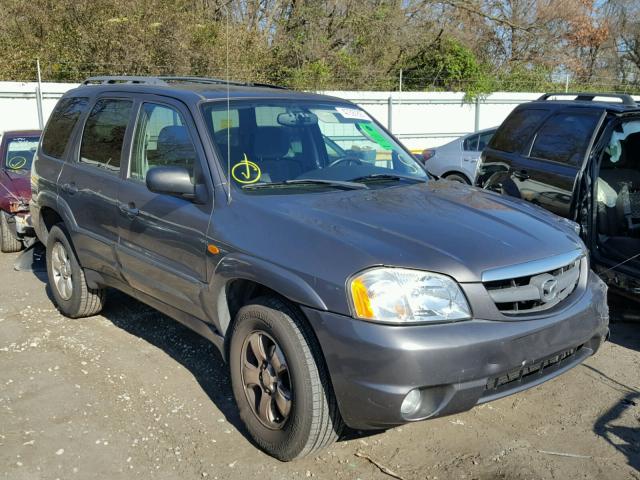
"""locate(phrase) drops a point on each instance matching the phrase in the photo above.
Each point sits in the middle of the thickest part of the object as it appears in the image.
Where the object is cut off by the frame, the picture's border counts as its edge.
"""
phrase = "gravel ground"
(133, 394)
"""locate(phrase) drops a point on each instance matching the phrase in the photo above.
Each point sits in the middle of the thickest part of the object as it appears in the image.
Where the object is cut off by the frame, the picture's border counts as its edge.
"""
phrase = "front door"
(162, 247)
(547, 175)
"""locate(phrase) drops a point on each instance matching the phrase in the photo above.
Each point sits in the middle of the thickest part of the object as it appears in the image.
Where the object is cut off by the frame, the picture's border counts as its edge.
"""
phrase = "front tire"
(73, 297)
(8, 242)
(280, 381)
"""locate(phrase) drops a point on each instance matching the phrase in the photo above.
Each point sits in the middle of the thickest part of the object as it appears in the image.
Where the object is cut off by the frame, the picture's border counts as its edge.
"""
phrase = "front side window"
(280, 143)
(61, 123)
(564, 137)
(103, 134)
(514, 133)
(161, 140)
(20, 151)
(484, 139)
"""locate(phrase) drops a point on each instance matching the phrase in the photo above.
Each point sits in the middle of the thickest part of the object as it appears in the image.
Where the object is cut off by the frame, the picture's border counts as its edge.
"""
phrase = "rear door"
(547, 173)
(163, 246)
(88, 184)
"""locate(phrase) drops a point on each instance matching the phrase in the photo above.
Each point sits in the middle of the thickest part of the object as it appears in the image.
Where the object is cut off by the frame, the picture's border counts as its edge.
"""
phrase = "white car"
(457, 160)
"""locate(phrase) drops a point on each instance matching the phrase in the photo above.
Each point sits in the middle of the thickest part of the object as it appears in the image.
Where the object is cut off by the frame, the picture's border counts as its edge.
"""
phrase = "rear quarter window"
(63, 119)
(514, 133)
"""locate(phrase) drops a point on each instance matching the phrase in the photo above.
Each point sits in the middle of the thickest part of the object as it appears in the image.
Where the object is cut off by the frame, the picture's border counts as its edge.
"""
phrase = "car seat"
(270, 148)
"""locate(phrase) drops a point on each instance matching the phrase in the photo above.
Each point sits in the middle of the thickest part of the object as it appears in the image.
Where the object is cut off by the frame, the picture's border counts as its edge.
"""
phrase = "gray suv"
(341, 283)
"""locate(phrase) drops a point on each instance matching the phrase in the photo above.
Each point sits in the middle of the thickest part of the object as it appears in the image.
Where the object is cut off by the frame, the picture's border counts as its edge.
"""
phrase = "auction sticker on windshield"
(352, 113)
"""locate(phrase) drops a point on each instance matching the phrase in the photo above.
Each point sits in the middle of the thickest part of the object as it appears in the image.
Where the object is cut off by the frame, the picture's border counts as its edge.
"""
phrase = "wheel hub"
(266, 380)
(61, 270)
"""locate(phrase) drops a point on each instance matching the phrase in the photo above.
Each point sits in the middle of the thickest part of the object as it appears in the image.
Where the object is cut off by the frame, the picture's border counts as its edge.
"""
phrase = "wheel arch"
(240, 278)
(457, 172)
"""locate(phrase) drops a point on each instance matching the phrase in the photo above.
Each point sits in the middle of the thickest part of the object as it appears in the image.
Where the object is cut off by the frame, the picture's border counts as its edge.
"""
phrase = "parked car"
(578, 156)
(457, 160)
(341, 290)
(16, 153)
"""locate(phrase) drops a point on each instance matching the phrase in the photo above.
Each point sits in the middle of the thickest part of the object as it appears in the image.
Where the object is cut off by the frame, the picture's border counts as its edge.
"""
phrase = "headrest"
(270, 142)
(173, 138)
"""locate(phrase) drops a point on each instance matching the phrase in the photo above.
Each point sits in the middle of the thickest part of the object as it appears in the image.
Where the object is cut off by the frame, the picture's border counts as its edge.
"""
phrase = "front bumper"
(455, 366)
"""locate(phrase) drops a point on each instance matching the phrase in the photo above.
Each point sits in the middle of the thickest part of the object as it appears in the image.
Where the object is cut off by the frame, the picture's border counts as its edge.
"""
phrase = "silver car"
(457, 160)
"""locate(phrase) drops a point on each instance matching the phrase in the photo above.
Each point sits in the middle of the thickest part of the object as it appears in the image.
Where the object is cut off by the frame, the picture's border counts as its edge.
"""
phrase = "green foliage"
(447, 65)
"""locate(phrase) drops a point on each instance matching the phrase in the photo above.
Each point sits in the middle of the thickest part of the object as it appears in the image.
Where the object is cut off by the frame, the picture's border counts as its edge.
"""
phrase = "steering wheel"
(349, 160)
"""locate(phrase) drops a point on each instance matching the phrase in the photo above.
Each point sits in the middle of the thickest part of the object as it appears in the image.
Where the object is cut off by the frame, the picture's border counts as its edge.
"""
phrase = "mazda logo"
(549, 290)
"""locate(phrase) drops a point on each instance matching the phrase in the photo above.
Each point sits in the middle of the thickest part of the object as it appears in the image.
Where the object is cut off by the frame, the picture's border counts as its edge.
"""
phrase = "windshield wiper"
(350, 185)
(387, 176)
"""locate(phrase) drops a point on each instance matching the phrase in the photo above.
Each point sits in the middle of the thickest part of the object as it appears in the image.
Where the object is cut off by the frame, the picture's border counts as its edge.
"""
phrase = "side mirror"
(171, 181)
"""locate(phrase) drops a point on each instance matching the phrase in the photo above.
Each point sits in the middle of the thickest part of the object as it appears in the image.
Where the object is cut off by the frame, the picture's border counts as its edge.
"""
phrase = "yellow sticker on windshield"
(246, 171)
(16, 163)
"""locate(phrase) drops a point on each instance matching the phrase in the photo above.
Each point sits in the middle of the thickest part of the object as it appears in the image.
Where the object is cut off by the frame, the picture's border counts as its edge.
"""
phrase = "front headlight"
(399, 295)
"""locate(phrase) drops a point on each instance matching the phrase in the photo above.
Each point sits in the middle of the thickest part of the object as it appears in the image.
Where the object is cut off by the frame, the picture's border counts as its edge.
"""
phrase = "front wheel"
(73, 297)
(280, 381)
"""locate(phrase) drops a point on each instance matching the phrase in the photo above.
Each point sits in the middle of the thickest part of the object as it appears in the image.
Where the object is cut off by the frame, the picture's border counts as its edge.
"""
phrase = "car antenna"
(228, 113)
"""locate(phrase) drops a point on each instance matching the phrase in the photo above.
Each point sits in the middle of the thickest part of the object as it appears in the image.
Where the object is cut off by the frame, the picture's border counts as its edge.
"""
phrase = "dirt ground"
(133, 394)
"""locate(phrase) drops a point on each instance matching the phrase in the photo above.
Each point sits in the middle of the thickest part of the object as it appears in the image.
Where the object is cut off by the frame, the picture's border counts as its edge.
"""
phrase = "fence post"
(39, 96)
(390, 113)
(476, 125)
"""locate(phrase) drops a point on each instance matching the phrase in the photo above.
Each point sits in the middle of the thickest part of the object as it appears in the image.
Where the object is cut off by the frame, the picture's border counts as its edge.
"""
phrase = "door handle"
(129, 210)
(522, 175)
(70, 188)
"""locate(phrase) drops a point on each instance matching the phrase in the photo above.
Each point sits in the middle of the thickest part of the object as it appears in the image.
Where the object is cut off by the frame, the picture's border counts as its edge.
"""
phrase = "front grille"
(525, 374)
(534, 293)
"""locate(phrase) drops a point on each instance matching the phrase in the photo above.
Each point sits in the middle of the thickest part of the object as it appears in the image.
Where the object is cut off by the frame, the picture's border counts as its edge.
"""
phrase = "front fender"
(239, 266)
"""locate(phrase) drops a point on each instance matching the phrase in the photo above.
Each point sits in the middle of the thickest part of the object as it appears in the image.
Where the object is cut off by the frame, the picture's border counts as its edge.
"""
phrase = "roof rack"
(627, 100)
(165, 80)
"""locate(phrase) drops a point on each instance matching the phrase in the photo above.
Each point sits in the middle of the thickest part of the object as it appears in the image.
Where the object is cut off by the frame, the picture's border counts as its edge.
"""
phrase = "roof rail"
(627, 100)
(115, 79)
(166, 80)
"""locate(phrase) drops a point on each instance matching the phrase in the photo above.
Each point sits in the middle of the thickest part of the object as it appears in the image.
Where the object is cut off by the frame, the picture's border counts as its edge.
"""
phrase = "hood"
(17, 183)
(442, 227)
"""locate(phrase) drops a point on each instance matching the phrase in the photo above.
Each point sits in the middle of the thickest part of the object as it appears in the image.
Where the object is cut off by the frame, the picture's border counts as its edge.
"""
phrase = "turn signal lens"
(361, 301)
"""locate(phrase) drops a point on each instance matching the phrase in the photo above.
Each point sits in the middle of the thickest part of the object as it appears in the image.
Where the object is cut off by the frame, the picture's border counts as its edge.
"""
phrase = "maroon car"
(16, 153)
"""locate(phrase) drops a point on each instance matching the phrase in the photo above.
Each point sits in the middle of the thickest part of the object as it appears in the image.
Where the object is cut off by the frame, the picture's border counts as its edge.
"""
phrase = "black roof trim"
(627, 100)
(167, 80)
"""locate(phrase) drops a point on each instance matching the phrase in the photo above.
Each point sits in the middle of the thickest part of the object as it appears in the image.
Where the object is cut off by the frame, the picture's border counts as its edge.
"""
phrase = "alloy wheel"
(266, 380)
(61, 267)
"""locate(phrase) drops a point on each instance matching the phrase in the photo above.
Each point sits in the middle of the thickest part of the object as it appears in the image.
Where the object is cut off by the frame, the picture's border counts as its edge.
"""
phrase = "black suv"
(342, 284)
(577, 155)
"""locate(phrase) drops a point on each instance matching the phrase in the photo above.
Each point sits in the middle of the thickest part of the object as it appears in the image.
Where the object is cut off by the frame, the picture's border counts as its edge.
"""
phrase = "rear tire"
(458, 177)
(310, 420)
(8, 242)
(73, 297)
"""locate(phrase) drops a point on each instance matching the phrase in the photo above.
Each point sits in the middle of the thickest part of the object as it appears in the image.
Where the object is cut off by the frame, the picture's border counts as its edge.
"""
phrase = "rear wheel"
(8, 241)
(73, 297)
(458, 177)
(280, 381)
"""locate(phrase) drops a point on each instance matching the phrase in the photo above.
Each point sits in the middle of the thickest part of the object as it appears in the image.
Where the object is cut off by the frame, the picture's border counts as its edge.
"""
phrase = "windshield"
(300, 145)
(20, 151)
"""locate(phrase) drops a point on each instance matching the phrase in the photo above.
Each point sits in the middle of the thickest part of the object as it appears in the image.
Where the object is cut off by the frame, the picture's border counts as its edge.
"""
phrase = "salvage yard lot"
(133, 394)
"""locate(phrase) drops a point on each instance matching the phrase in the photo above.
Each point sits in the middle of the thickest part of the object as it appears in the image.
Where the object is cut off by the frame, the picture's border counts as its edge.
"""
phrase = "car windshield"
(20, 151)
(306, 145)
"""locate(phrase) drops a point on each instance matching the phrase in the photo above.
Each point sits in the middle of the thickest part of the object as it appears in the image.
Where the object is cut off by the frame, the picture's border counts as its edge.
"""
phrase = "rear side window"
(514, 133)
(61, 123)
(104, 133)
(564, 137)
